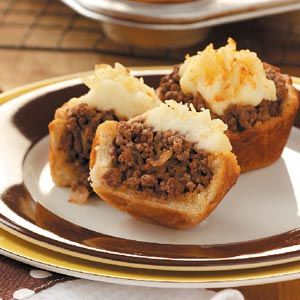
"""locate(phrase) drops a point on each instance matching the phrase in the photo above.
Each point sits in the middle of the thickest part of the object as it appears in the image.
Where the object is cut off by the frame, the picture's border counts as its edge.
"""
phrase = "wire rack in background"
(50, 25)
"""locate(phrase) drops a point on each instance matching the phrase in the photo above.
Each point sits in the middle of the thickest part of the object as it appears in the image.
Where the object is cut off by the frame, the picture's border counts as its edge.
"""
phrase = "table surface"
(23, 65)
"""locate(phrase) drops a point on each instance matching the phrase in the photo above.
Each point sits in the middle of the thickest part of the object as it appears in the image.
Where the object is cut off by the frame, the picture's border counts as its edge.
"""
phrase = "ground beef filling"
(76, 141)
(170, 89)
(237, 117)
(162, 164)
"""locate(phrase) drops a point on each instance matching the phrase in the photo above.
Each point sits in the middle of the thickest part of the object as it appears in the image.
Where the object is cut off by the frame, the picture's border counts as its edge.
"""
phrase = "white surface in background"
(91, 290)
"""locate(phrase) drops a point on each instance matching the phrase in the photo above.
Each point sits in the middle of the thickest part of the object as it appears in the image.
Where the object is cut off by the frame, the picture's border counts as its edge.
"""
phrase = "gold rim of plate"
(16, 247)
(30, 253)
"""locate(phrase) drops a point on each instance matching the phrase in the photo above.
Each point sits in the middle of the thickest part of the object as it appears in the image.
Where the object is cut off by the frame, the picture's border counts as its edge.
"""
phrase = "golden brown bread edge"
(181, 212)
(63, 172)
(263, 144)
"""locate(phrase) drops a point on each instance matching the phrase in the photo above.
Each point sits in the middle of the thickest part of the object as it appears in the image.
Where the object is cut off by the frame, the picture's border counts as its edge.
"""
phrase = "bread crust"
(181, 212)
(63, 172)
(263, 144)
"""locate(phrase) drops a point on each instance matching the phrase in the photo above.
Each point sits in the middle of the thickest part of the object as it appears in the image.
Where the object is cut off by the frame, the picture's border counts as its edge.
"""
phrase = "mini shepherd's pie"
(114, 95)
(255, 100)
(170, 165)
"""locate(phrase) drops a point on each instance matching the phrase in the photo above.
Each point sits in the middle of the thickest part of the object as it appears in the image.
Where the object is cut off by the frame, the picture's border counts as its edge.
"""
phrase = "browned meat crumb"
(81, 189)
(242, 117)
(170, 89)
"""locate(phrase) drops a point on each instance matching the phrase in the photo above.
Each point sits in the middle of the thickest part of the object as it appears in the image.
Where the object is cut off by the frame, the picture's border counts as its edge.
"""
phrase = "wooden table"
(20, 66)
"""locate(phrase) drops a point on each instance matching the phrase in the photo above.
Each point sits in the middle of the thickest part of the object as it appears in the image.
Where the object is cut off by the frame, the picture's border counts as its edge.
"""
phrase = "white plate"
(257, 224)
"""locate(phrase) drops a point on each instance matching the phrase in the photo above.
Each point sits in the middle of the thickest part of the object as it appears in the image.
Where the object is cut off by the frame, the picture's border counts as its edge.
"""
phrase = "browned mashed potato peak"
(237, 117)
(163, 164)
(78, 136)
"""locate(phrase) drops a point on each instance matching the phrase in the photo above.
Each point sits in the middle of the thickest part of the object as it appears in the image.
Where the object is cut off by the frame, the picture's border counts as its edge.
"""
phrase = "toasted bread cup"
(115, 95)
(179, 212)
(249, 87)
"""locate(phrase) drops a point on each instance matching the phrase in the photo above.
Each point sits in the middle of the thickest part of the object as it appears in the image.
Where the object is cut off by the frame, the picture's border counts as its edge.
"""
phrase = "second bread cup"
(255, 100)
(170, 166)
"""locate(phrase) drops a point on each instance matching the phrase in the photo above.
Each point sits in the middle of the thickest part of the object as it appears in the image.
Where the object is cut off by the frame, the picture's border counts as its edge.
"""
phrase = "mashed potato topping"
(226, 76)
(198, 127)
(114, 88)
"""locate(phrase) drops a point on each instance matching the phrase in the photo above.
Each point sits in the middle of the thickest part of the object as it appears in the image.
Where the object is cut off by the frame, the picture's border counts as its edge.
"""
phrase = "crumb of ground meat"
(170, 89)
(162, 164)
(81, 188)
(273, 73)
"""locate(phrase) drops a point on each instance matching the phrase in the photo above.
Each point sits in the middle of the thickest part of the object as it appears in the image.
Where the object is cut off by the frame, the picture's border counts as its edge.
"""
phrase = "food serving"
(170, 162)
(255, 100)
(114, 95)
(170, 166)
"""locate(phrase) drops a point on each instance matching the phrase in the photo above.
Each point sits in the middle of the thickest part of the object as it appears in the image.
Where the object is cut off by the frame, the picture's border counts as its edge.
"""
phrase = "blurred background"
(44, 38)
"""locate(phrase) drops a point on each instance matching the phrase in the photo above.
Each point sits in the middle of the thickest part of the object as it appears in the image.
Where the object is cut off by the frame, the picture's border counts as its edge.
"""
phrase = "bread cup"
(178, 209)
(258, 103)
(114, 95)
